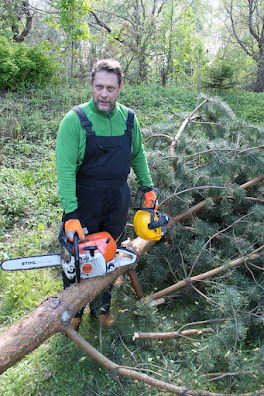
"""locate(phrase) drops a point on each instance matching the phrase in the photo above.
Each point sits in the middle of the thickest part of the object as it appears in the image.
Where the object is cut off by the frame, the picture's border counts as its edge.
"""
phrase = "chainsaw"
(97, 255)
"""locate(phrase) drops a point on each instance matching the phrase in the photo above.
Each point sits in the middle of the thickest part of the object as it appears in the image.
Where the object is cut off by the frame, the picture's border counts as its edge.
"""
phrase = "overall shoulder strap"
(130, 121)
(86, 124)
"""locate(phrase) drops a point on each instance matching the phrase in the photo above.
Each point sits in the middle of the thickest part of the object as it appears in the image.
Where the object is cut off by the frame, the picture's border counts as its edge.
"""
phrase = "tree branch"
(201, 277)
(133, 373)
(170, 335)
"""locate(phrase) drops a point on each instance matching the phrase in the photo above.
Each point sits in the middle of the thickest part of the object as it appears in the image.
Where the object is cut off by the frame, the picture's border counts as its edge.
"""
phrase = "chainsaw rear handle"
(68, 247)
(76, 256)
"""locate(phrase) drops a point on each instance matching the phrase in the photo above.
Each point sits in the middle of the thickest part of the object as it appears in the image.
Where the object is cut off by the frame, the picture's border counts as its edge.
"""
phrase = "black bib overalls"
(101, 187)
(101, 182)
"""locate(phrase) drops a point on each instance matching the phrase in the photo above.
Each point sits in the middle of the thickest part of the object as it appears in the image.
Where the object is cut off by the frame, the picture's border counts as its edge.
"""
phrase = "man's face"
(105, 90)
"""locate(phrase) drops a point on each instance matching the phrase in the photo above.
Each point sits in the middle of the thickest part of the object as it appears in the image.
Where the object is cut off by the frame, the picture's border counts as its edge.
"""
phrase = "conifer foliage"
(215, 154)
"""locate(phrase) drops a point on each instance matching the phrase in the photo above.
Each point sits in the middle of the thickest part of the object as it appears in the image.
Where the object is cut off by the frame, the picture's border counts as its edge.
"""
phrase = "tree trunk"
(259, 86)
(20, 37)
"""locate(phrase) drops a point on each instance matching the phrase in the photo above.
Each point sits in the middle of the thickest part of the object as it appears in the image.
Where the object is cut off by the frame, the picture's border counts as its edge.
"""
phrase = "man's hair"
(109, 65)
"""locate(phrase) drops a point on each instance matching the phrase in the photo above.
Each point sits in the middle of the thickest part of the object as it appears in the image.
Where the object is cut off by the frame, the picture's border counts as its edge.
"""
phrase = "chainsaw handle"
(76, 256)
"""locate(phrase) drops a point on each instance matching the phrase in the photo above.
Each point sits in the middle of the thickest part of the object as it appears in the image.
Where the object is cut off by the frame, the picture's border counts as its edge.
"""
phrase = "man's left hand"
(150, 200)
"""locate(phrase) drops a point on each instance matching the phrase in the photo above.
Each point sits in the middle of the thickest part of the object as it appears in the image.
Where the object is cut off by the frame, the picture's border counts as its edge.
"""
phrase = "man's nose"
(104, 92)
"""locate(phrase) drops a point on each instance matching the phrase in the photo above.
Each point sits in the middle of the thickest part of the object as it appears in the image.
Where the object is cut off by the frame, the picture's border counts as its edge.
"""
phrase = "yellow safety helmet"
(142, 220)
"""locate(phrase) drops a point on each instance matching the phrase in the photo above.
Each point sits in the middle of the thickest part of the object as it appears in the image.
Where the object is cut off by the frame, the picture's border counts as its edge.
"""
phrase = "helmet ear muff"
(142, 220)
(162, 221)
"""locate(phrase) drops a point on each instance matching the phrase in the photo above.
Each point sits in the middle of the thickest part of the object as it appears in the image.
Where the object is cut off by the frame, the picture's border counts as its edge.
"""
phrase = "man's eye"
(99, 87)
(111, 89)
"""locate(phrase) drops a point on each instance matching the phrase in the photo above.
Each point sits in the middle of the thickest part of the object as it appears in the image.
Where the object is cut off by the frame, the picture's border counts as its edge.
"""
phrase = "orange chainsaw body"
(103, 242)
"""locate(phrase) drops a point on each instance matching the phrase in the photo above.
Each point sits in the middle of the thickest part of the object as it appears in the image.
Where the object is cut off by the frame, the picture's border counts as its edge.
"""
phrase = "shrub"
(21, 65)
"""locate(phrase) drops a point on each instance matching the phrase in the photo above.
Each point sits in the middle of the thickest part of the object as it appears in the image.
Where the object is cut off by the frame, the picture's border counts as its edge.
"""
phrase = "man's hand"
(72, 226)
(150, 198)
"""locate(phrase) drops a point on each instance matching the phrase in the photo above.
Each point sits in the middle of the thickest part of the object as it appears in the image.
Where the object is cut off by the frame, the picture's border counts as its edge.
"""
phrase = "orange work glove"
(150, 198)
(72, 226)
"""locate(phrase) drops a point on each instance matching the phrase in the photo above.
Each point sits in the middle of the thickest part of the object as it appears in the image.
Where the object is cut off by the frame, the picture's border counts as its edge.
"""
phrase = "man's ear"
(121, 85)
(91, 82)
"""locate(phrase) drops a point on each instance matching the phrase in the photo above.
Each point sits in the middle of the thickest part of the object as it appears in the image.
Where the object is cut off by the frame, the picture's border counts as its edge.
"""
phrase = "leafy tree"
(16, 19)
(247, 29)
(132, 26)
(153, 39)
(69, 17)
(178, 46)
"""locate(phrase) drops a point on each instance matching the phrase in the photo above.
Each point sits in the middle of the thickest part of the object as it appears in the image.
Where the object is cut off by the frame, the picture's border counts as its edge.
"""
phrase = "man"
(94, 153)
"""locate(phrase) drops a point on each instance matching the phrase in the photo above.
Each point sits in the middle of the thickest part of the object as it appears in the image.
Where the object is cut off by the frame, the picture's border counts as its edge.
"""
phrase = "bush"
(21, 65)
(221, 75)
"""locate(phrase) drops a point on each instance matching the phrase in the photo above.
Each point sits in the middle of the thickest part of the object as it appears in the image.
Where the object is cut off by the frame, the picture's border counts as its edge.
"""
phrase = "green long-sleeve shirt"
(71, 143)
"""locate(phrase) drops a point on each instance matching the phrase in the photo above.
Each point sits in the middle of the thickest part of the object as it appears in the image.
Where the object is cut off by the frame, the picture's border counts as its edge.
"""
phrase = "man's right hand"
(71, 227)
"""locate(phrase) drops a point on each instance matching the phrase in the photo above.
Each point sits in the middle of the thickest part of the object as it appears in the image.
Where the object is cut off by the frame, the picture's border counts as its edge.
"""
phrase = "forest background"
(194, 74)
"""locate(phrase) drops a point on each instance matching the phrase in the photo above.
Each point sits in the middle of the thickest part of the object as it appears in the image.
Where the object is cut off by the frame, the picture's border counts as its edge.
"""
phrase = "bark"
(20, 37)
(259, 86)
(135, 283)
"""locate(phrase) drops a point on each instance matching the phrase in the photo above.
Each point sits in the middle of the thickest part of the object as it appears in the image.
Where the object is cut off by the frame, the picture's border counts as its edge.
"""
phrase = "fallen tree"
(54, 314)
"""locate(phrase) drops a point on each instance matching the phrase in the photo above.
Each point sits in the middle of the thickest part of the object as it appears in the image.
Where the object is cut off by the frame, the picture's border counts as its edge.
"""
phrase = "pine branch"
(191, 189)
(201, 205)
(215, 235)
(198, 278)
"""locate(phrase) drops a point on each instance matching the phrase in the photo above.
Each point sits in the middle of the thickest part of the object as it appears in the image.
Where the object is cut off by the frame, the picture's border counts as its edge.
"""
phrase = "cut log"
(50, 317)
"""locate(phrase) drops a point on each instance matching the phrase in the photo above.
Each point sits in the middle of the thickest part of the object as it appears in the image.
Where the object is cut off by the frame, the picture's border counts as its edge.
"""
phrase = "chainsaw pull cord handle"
(76, 256)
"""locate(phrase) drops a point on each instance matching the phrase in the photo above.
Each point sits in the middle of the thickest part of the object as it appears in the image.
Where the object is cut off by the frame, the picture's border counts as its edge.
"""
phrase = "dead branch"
(192, 117)
(159, 135)
(189, 119)
(255, 199)
(133, 373)
(221, 375)
(171, 334)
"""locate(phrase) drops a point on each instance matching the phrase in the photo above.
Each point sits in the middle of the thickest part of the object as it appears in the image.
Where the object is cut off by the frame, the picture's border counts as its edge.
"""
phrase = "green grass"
(30, 215)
